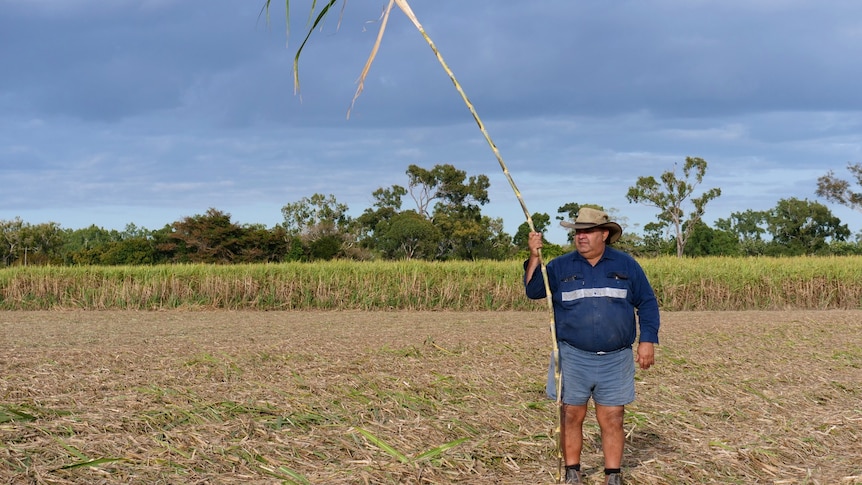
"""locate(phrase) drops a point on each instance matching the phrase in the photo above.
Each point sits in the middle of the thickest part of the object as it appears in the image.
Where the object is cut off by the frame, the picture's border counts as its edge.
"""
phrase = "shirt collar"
(609, 253)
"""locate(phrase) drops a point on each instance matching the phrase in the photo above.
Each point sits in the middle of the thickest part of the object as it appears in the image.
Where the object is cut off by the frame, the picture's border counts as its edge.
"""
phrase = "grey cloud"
(673, 58)
(117, 61)
(167, 104)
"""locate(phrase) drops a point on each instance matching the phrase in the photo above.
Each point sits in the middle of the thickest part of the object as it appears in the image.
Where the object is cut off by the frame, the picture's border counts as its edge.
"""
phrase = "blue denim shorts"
(608, 378)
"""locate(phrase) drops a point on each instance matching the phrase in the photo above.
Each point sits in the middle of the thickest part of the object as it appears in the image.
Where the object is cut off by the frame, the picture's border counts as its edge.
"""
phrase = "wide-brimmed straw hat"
(589, 218)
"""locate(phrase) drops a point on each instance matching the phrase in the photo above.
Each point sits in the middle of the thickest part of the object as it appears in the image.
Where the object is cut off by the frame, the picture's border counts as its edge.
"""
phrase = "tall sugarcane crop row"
(698, 284)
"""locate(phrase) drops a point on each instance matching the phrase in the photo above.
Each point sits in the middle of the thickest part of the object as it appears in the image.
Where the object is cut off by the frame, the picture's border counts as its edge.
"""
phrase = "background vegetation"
(446, 224)
(708, 283)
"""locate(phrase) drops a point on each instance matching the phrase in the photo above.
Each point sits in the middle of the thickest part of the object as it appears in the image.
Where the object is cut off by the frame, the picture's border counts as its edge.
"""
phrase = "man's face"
(591, 242)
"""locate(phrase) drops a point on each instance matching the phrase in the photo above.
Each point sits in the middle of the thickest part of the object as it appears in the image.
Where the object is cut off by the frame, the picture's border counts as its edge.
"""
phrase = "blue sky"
(148, 111)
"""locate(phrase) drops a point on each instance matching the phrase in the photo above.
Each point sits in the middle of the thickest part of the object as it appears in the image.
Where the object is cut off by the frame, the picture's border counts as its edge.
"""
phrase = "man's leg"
(571, 432)
(610, 420)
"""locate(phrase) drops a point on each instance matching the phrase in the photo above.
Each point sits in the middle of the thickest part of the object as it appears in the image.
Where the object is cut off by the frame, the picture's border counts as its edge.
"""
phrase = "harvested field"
(413, 397)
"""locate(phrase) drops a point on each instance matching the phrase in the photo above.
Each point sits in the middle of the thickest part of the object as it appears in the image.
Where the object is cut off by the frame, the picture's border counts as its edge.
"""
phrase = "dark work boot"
(614, 479)
(573, 476)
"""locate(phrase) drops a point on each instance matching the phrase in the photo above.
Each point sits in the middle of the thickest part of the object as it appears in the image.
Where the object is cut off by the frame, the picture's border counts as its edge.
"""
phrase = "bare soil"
(413, 397)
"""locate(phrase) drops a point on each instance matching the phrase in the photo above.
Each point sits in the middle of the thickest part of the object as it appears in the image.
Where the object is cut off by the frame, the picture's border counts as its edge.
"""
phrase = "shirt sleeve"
(535, 288)
(647, 308)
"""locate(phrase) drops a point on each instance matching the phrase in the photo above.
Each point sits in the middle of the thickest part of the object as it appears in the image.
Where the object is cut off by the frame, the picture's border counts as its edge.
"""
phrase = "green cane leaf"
(384, 446)
(434, 452)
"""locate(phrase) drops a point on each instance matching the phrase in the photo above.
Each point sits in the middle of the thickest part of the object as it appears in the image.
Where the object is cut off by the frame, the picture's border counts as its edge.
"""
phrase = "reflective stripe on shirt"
(594, 293)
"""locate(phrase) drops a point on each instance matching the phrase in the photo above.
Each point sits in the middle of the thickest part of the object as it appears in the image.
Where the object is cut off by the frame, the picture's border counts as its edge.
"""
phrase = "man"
(595, 292)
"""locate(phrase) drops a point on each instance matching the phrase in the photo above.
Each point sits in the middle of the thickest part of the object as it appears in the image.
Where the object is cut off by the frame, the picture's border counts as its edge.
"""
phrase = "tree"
(803, 227)
(463, 233)
(389, 198)
(499, 244)
(748, 227)
(86, 245)
(656, 241)
(541, 221)
(706, 241)
(408, 235)
(261, 245)
(446, 185)
(318, 213)
(131, 251)
(670, 195)
(207, 238)
(457, 213)
(10, 236)
(41, 243)
(838, 190)
(29, 244)
(321, 223)
(132, 231)
(387, 203)
(480, 238)
(449, 202)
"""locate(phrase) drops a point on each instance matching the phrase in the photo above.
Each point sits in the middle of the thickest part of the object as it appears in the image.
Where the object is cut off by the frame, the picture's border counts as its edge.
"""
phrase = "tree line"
(445, 222)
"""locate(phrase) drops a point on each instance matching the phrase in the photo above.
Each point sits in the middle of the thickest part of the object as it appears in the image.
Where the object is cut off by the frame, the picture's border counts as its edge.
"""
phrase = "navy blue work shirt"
(595, 306)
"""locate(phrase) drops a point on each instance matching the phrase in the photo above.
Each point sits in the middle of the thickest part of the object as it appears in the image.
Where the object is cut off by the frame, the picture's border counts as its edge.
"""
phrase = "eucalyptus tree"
(838, 190)
(10, 239)
(448, 187)
(315, 214)
(25, 243)
(450, 202)
(457, 209)
(321, 224)
(40, 243)
(669, 195)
